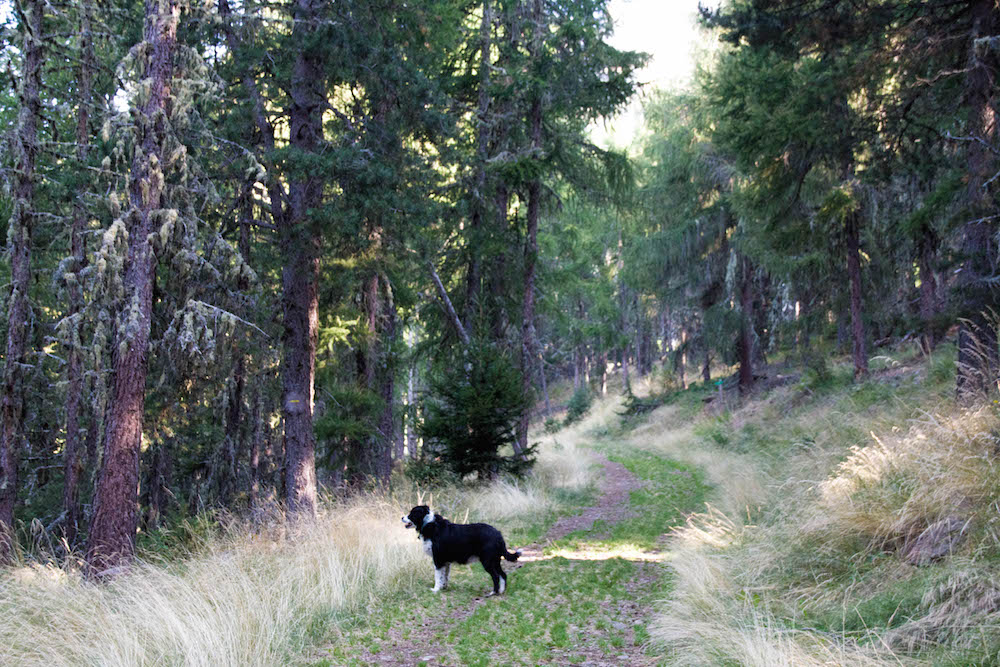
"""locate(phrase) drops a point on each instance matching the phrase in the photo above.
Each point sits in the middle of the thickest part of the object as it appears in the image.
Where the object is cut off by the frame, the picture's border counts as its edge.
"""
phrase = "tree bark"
(978, 362)
(386, 383)
(853, 241)
(112, 532)
(299, 246)
(928, 289)
(682, 366)
(474, 277)
(19, 239)
(72, 460)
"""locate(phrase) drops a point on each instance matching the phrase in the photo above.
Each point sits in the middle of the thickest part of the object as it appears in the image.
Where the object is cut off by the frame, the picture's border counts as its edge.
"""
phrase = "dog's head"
(418, 516)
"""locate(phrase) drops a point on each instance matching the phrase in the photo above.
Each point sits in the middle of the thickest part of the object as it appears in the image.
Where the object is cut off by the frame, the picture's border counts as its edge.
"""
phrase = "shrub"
(578, 406)
(471, 414)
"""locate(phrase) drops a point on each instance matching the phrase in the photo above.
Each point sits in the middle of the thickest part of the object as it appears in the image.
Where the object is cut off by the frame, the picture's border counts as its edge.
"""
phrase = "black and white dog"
(448, 543)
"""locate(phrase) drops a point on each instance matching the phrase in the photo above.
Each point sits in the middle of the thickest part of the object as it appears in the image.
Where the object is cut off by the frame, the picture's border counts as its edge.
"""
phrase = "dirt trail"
(617, 482)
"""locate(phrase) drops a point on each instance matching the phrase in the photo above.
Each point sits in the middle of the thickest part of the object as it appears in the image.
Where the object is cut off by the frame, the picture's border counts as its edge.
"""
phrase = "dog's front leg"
(440, 578)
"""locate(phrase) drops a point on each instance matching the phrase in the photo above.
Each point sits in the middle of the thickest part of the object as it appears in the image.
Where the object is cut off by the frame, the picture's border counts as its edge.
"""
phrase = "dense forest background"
(256, 250)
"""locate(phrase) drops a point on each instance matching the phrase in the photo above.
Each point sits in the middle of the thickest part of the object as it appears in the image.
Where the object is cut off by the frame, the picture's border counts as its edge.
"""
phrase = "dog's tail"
(512, 556)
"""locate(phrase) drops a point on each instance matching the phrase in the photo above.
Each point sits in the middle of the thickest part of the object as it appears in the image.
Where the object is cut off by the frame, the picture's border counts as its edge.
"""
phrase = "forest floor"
(582, 594)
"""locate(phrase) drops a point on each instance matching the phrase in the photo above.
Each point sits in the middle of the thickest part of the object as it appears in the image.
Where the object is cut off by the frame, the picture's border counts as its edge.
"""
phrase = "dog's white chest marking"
(428, 547)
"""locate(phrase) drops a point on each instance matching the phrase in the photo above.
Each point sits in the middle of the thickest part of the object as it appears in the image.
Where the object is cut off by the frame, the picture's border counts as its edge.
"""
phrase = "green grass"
(566, 608)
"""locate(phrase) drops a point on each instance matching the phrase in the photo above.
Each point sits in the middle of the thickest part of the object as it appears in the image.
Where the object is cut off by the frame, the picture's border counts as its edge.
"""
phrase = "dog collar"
(427, 519)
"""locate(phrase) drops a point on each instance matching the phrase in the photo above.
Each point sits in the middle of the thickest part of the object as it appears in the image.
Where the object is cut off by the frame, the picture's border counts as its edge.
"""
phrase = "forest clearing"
(697, 303)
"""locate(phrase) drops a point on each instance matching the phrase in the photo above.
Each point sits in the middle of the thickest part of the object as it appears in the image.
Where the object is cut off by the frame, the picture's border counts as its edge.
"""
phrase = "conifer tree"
(154, 154)
(19, 234)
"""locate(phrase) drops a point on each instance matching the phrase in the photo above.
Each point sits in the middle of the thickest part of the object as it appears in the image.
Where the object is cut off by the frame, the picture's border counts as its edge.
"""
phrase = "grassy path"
(582, 594)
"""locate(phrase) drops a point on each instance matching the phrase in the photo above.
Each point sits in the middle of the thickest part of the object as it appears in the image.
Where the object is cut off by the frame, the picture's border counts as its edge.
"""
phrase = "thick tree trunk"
(978, 362)
(746, 326)
(853, 242)
(300, 272)
(112, 532)
(72, 459)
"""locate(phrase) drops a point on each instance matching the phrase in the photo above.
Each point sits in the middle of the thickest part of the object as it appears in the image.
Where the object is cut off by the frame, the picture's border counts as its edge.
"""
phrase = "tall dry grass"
(256, 595)
(838, 478)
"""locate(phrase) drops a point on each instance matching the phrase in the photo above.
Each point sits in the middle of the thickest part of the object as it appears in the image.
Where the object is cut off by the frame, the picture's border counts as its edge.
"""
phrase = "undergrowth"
(809, 553)
(262, 592)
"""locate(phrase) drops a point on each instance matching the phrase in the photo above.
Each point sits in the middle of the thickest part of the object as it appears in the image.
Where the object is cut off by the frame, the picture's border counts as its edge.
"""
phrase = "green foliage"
(578, 406)
(471, 413)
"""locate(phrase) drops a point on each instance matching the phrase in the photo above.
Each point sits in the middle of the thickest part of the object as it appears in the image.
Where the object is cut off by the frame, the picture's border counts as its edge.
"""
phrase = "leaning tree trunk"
(300, 273)
(977, 336)
(19, 240)
(112, 532)
(72, 459)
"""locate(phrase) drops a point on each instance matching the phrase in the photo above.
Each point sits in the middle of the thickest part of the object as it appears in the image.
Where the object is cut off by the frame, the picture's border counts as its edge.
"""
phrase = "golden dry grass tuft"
(257, 594)
(801, 559)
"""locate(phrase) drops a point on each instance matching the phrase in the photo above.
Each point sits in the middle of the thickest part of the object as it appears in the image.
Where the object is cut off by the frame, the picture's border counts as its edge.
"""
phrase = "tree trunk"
(683, 358)
(603, 360)
(977, 367)
(746, 326)
(387, 384)
(112, 532)
(545, 384)
(256, 441)
(19, 239)
(576, 369)
(853, 239)
(300, 268)
(474, 277)
(531, 242)
(72, 459)
(411, 414)
(928, 289)
(706, 368)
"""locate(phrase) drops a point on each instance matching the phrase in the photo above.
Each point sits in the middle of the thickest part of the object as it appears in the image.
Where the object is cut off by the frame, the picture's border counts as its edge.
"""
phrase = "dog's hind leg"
(447, 574)
(503, 579)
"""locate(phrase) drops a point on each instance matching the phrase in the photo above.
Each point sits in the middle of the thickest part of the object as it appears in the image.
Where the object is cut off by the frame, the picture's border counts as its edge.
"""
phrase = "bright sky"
(667, 30)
